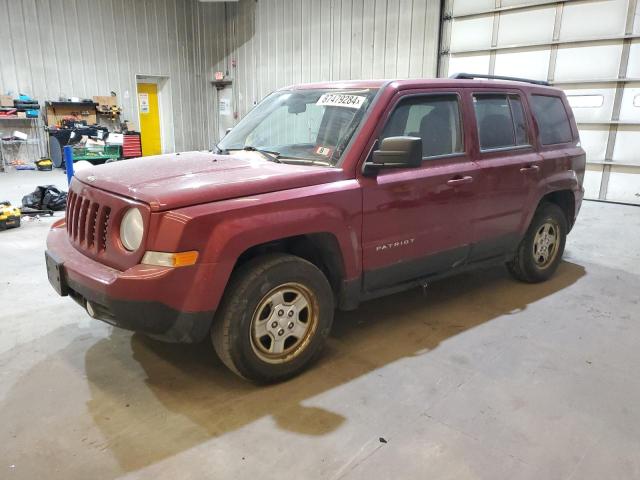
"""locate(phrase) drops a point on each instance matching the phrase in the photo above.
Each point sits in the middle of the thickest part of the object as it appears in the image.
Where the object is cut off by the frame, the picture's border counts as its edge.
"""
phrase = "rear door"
(417, 221)
(509, 170)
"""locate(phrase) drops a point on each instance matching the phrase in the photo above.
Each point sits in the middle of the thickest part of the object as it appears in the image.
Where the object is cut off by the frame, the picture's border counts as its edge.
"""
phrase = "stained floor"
(479, 377)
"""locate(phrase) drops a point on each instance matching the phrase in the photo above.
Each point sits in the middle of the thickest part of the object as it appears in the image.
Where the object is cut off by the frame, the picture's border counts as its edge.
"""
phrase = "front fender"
(222, 231)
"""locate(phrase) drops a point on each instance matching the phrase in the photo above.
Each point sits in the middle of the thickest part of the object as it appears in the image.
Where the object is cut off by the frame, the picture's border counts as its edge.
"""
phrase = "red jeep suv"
(323, 196)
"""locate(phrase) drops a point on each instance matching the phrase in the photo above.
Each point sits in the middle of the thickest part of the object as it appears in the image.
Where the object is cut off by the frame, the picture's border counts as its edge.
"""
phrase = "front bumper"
(166, 303)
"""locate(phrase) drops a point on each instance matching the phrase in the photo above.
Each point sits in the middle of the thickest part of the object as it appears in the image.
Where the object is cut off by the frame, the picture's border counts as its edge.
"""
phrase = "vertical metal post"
(494, 38)
(553, 55)
(617, 101)
(444, 38)
(68, 162)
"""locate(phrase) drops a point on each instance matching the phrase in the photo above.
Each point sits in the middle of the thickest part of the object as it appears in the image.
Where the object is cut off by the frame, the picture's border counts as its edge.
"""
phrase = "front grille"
(93, 223)
(87, 223)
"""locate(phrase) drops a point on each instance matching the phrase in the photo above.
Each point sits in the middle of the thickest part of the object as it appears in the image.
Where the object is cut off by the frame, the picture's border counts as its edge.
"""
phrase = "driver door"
(417, 222)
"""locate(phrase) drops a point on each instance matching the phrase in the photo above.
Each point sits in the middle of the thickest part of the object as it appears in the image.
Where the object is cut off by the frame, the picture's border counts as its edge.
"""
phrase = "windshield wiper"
(276, 156)
(306, 161)
(268, 154)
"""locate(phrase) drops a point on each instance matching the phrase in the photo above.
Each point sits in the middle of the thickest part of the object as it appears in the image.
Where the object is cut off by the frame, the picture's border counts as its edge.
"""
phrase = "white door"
(590, 49)
(226, 115)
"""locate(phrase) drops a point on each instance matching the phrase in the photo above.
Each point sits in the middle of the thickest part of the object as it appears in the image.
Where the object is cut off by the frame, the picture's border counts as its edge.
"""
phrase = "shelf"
(70, 104)
(522, 6)
(6, 117)
(31, 141)
(594, 81)
(561, 43)
(613, 163)
(607, 122)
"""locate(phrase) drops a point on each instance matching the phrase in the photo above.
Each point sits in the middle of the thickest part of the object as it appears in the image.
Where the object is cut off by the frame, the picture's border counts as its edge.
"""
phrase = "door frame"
(165, 109)
(218, 89)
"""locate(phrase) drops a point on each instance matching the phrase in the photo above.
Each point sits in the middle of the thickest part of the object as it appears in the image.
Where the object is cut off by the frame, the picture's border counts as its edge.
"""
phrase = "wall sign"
(224, 106)
(143, 99)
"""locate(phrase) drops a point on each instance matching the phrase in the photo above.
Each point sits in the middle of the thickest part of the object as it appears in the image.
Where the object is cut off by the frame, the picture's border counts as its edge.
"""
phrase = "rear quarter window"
(552, 119)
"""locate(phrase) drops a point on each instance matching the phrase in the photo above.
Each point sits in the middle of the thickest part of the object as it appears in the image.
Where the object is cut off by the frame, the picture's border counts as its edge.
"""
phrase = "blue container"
(68, 162)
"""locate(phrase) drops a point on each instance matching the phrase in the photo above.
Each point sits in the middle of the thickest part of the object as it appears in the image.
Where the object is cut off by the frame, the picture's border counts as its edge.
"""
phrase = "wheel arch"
(321, 249)
(565, 199)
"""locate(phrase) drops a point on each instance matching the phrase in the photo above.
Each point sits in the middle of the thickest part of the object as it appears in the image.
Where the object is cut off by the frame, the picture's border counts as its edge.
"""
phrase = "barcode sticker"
(341, 100)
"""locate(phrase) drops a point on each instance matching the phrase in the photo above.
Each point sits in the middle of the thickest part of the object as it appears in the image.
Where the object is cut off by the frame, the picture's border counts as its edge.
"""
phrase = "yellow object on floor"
(9, 216)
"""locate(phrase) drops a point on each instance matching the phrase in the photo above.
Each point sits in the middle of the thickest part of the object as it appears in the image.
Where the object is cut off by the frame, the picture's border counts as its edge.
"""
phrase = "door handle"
(530, 169)
(460, 180)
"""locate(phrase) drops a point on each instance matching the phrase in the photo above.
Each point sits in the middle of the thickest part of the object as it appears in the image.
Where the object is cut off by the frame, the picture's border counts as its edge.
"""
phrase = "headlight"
(131, 229)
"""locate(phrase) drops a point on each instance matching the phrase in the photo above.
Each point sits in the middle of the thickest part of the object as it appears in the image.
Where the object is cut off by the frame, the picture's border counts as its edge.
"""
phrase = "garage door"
(589, 48)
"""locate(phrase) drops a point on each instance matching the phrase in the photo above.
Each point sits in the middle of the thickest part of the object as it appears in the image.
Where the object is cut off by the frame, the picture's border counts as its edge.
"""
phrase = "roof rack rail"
(471, 76)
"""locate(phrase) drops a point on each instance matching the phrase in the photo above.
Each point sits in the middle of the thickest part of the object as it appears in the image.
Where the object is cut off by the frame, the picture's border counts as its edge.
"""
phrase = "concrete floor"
(483, 377)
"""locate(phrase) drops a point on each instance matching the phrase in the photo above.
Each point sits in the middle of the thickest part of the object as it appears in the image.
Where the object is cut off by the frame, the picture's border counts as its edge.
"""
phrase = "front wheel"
(274, 318)
(540, 251)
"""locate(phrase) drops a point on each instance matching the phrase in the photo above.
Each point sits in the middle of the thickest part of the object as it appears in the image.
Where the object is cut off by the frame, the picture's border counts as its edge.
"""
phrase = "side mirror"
(395, 152)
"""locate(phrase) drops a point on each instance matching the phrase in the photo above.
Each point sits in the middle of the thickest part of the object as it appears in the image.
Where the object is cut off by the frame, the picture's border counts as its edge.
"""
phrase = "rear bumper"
(144, 298)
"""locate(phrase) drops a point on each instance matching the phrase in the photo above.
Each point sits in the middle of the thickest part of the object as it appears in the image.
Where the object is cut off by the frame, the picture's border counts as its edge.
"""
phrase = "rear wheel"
(540, 251)
(274, 318)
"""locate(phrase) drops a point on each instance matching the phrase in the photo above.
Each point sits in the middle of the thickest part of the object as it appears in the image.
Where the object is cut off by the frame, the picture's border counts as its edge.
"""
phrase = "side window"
(552, 119)
(434, 118)
(501, 121)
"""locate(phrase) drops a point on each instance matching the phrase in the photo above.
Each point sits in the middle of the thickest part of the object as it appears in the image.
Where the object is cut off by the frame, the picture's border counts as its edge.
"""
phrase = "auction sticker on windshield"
(341, 100)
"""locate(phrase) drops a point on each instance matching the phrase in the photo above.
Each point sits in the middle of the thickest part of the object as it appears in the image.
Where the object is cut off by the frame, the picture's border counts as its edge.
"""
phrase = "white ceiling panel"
(630, 108)
(527, 63)
(593, 19)
(602, 101)
(594, 142)
(464, 7)
(624, 185)
(471, 63)
(526, 26)
(633, 67)
(592, 180)
(627, 145)
(588, 62)
(471, 33)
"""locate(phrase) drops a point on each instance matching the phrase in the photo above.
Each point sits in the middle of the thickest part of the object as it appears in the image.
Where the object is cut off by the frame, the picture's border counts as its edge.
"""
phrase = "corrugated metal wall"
(53, 48)
(281, 42)
(81, 48)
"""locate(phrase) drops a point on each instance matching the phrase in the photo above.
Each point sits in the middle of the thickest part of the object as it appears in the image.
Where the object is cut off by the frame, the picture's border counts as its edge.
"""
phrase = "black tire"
(247, 296)
(527, 266)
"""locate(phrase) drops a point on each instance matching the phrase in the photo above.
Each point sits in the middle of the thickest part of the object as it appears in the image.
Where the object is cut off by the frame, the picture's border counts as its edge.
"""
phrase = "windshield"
(301, 126)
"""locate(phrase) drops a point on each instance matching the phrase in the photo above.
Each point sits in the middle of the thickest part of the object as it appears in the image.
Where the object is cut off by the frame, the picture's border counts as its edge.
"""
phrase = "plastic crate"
(107, 152)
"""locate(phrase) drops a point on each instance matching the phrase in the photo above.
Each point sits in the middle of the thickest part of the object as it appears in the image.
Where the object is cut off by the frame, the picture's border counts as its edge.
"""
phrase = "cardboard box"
(115, 139)
(107, 100)
(6, 101)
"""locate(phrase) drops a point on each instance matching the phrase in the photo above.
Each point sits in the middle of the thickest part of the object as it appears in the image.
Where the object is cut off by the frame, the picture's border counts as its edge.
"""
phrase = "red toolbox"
(131, 145)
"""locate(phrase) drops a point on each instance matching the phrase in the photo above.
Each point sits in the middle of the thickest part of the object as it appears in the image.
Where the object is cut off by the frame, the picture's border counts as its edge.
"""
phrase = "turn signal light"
(165, 259)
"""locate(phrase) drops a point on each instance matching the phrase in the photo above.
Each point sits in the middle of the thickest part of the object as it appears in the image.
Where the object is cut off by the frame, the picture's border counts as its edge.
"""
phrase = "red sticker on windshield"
(324, 151)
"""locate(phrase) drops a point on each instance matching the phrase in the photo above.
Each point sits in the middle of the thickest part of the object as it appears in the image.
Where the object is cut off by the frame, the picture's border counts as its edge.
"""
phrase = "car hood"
(183, 179)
